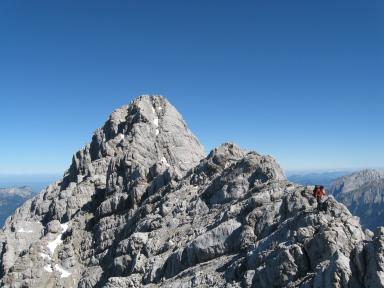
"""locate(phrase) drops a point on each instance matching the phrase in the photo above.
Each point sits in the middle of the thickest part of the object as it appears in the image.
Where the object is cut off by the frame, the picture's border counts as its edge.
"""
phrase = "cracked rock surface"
(143, 206)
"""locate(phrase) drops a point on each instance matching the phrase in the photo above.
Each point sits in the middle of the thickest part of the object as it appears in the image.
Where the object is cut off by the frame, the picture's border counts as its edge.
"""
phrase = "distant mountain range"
(36, 181)
(363, 193)
(314, 178)
(11, 199)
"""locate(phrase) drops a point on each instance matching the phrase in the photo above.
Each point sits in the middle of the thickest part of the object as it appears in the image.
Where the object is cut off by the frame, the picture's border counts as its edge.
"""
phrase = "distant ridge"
(313, 178)
(12, 198)
(363, 193)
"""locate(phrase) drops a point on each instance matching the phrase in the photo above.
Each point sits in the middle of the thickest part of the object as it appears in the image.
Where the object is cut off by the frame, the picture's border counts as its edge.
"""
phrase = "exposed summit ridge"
(142, 206)
(152, 125)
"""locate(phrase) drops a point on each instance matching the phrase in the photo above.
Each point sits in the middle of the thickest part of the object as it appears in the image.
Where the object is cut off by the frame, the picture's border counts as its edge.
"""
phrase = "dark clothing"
(320, 204)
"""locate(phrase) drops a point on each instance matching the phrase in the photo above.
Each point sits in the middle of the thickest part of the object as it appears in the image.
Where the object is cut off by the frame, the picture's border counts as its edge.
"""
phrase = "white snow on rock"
(52, 245)
(65, 227)
(21, 230)
(155, 121)
(48, 268)
(45, 256)
(163, 160)
(120, 137)
(64, 273)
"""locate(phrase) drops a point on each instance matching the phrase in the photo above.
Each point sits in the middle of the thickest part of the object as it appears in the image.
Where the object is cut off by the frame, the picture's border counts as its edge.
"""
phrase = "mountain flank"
(363, 193)
(142, 205)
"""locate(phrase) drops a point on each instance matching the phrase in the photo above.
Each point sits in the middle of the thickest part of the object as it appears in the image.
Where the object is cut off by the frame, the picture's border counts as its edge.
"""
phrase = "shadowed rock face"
(142, 206)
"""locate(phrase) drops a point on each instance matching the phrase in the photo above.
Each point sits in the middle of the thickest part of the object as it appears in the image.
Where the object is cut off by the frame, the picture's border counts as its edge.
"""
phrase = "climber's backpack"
(314, 192)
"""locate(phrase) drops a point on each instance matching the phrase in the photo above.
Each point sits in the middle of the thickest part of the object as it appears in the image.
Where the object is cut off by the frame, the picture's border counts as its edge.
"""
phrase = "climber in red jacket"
(319, 193)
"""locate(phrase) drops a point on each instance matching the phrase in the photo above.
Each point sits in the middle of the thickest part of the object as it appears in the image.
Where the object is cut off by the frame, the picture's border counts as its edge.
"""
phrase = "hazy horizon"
(39, 177)
(36, 181)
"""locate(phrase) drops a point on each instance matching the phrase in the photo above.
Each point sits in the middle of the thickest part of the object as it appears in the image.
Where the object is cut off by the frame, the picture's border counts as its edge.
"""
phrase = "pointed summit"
(141, 147)
(149, 129)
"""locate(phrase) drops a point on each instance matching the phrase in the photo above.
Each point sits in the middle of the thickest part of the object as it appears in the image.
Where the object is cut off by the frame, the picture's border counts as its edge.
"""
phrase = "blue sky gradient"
(300, 80)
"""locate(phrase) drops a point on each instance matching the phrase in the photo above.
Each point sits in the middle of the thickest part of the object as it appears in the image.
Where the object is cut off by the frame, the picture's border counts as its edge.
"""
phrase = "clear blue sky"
(302, 80)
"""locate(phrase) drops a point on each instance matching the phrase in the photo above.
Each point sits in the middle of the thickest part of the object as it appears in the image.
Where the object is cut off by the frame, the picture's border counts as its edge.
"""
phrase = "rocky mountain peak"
(154, 111)
(147, 131)
(142, 206)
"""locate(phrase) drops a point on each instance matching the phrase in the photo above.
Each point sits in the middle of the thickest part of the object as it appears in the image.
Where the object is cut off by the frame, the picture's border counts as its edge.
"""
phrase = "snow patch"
(64, 226)
(21, 230)
(45, 256)
(64, 273)
(52, 245)
(156, 123)
(163, 160)
(156, 120)
(120, 136)
(48, 268)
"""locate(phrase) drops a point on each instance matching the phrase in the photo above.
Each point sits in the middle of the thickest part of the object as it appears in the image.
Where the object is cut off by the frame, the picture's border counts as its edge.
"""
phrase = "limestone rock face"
(142, 206)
